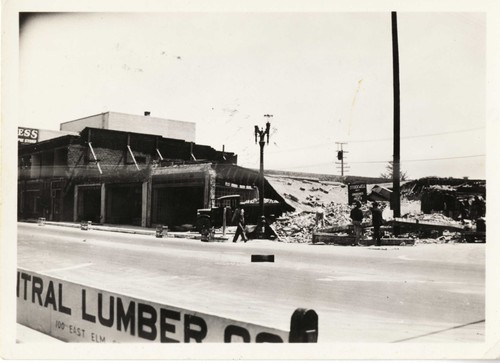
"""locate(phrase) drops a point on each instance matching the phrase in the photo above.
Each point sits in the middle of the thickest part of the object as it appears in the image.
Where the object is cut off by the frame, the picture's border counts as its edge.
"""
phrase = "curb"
(103, 228)
(330, 238)
(151, 232)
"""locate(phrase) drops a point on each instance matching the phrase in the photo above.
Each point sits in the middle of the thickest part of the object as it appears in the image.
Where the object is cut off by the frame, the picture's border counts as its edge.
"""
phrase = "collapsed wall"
(323, 206)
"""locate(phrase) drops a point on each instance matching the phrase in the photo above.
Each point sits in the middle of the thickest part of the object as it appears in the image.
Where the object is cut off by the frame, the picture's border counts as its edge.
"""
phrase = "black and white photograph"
(231, 173)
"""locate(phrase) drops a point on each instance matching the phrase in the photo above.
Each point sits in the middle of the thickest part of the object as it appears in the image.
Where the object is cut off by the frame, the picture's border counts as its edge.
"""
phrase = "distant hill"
(348, 179)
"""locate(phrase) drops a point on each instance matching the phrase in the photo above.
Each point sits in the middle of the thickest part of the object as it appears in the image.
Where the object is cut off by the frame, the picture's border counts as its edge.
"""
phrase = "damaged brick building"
(453, 197)
(103, 170)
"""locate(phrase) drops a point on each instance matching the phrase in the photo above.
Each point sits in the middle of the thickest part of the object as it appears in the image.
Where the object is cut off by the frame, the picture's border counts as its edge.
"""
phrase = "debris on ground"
(334, 218)
(298, 227)
(304, 195)
(322, 207)
(436, 218)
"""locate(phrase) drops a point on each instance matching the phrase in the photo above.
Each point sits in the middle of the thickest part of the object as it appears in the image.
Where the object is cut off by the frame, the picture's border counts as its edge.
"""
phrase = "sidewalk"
(139, 230)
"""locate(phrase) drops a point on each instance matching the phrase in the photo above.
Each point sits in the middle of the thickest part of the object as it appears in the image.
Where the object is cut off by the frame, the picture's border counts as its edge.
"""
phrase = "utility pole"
(341, 155)
(261, 135)
(396, 199)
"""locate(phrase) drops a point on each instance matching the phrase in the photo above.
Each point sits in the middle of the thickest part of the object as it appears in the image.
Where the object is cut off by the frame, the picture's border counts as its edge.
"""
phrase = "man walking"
(377, 221)
(357, 218)
(239, 217)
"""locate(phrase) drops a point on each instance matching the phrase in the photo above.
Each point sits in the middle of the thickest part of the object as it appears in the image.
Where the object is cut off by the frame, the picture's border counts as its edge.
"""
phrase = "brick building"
(112, 176)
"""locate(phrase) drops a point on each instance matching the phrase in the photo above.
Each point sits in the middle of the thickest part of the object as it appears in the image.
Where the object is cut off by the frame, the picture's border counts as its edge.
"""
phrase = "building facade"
(147, 124)
(127, 178)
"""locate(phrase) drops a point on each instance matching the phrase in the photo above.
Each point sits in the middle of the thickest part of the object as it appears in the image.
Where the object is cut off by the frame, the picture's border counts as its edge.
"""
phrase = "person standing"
(479, 207)
(239, 218)
(377, 221)
(320, 217)
(357, 218)
(464, 213)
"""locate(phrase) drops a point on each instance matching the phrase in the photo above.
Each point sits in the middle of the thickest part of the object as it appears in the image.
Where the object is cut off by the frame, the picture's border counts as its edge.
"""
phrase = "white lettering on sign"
(78, 313)
(355, 187)
(27, 136)
(356, 192)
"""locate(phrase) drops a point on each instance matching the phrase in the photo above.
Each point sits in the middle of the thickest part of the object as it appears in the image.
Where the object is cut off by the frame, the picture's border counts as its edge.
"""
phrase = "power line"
(451, 157)
(387, 161)
(423, 135)
(300, 148)
(381, 139)
(412, 160)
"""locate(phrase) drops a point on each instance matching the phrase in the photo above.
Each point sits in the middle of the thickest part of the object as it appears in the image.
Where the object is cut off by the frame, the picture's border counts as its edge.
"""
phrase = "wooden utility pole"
(396, 199)
(340, 156)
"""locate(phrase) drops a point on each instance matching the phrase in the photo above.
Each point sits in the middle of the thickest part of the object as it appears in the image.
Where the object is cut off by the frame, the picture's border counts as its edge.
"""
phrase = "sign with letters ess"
(27, 135)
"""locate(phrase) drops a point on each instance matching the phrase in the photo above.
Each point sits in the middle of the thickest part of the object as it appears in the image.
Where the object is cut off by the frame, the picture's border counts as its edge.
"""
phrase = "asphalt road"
(422, 293)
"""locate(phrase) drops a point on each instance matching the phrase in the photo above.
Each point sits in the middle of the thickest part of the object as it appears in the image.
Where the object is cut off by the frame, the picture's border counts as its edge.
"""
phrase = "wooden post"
(103, 203)
(396, 202)
(144, 204)
(75, 204)
(149, 203)
(224, 222)
(206, 191)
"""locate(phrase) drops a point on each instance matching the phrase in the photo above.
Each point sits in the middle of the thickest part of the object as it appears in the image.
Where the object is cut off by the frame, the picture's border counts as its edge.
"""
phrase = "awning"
(242, 176)
(237, 175)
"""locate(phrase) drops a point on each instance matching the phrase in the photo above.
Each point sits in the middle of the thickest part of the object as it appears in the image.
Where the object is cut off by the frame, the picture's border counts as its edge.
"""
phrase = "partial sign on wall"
(27, 135)
(357, 192)
(77, 313)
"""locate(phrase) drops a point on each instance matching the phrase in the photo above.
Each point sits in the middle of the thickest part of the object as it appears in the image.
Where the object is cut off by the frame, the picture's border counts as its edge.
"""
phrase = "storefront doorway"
(176, 205)
(124, 204)
(89, 203)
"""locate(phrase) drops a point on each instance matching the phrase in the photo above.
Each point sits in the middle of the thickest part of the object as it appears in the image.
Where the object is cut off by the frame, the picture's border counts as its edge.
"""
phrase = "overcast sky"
(325, 78)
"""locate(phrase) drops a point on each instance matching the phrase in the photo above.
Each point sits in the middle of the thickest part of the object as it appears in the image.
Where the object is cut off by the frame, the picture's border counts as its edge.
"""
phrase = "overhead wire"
(412, 160)
(417, 136)
(387, 161)
(375, 140)
(247, 152)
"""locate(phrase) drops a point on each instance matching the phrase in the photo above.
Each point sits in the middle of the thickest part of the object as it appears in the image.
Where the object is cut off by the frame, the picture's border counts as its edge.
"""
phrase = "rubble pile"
(434, 210)
(446, 237)
(443, 229)
(297, 227)
(304, 195)
(437, 218)
(442, 188)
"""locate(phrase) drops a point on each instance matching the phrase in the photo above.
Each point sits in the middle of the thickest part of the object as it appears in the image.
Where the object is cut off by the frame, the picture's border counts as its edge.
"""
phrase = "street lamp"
(263, 136)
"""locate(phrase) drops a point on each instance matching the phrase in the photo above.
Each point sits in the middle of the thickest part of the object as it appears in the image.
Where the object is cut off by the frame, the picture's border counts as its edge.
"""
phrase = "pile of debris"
(298, 227)
(446, 237)
(436, 218)
(305, 195)
(438, 228)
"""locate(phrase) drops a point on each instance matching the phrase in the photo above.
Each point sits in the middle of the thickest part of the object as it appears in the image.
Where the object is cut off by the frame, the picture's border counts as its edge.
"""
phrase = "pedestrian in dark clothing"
(239, 217)
(479, 207)
(473, 208)
(377, 221)
(357, 218)
(464, 212)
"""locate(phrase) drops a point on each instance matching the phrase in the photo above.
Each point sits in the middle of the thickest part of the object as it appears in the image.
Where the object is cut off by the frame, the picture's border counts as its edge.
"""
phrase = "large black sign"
(27, 136)
(357, 192)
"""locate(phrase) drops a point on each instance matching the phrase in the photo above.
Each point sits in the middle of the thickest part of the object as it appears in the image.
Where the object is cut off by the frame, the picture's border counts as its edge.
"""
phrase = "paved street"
(422, 293)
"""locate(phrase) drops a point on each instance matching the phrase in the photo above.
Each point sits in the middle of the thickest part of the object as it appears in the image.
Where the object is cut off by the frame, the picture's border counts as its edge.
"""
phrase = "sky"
(325, 77)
